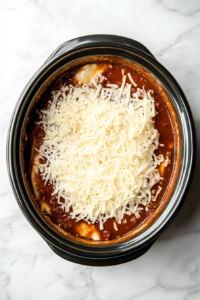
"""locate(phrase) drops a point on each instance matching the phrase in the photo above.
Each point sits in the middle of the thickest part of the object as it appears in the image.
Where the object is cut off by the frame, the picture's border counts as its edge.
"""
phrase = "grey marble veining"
(30, 30)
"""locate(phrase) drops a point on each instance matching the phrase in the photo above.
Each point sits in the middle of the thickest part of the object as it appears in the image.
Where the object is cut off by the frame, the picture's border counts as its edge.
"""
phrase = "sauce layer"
(43, 192)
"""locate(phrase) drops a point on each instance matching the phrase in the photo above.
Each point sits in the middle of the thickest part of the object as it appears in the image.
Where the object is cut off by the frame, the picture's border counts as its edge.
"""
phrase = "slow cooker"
(68, 53)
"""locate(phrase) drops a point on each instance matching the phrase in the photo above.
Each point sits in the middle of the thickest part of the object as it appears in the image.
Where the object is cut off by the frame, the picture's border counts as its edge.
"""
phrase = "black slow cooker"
(73, 51)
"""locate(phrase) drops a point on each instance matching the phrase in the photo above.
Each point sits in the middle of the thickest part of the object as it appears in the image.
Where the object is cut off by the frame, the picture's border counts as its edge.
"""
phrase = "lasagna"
(102, 150)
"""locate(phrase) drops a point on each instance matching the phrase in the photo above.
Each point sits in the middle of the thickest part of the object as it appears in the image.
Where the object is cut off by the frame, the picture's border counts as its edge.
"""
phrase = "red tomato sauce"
(114, 74)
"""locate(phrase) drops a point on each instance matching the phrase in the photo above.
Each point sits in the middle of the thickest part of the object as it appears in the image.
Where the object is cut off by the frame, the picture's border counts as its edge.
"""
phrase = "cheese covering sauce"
(127, 82)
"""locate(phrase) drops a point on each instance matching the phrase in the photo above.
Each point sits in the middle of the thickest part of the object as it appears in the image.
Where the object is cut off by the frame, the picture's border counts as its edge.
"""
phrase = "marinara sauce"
(114, 74)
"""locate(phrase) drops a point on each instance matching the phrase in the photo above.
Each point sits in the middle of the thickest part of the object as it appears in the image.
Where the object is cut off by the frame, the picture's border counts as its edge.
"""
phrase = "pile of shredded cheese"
(99, 149)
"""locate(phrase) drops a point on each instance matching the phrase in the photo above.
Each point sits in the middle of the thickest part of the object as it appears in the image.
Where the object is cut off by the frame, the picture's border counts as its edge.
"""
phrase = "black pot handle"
(99, 40)
(99, 262)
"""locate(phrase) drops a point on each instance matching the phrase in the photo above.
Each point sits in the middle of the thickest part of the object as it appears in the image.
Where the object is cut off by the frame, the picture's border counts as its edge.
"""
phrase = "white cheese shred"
(115, 226)
(131, 80)
(99, 149)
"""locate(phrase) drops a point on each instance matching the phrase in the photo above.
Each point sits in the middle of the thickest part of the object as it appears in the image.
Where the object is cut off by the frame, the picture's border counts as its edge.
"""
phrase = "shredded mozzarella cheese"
(115, 226)
(131, 80)
(99, 150)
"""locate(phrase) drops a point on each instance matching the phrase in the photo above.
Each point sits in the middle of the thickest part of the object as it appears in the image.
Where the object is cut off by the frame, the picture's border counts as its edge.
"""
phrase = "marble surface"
(29, 32)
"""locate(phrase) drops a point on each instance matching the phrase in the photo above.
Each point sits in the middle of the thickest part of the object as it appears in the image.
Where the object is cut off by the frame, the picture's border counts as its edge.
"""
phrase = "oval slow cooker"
(67, 53)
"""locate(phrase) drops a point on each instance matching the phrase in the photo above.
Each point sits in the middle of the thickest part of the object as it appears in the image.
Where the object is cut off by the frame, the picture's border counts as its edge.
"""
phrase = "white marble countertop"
(29, 32)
